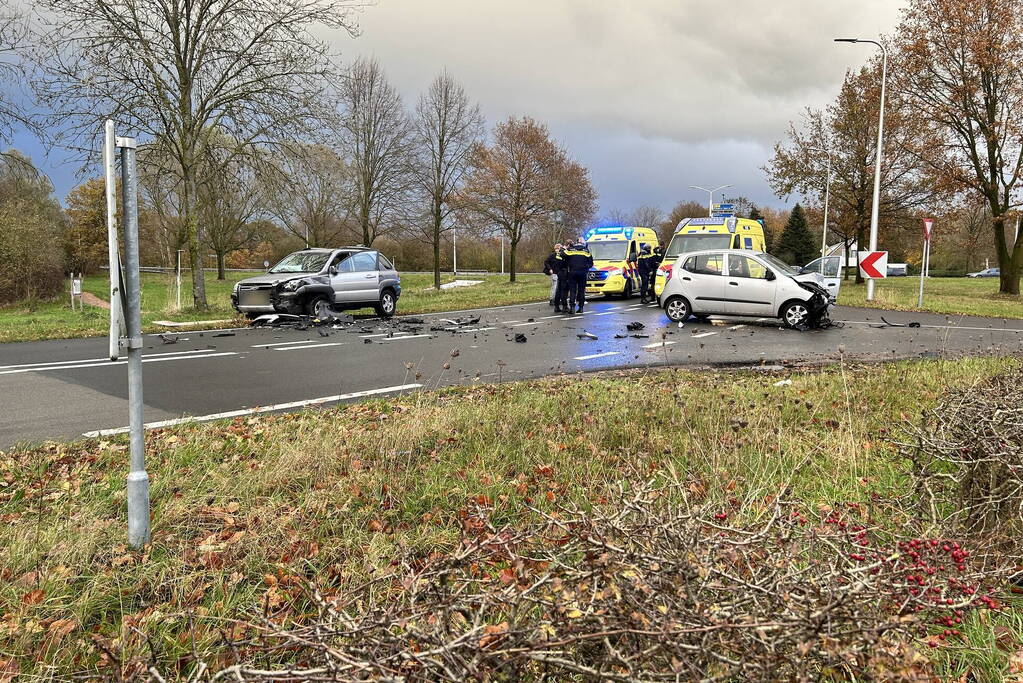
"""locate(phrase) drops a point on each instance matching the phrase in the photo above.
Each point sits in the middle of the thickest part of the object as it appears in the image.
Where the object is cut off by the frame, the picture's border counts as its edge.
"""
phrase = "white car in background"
(739, 282)
(831, 273)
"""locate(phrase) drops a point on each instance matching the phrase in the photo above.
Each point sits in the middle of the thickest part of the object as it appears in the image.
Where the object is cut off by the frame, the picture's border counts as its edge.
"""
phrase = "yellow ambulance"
(614, 250)
(695, 234)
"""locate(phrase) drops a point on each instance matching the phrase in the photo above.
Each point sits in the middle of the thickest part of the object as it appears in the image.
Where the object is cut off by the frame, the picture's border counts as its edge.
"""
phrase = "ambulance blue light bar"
(609, 230)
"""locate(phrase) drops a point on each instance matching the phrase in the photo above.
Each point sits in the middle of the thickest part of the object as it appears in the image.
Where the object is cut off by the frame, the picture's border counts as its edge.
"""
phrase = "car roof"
(721, 251)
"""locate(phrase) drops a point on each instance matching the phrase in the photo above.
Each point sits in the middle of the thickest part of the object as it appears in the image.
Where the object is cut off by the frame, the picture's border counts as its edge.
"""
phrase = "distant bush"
(31, 220)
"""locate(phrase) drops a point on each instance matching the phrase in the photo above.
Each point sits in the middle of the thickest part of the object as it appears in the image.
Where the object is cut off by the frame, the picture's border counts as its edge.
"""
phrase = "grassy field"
(55, 319)
(245, 511)
(957, 296)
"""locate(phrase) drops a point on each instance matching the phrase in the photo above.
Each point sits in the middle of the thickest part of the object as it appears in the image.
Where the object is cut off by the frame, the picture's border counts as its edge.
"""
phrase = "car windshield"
(682, 244)
(302, 262)
(779, 265)
(608, 251)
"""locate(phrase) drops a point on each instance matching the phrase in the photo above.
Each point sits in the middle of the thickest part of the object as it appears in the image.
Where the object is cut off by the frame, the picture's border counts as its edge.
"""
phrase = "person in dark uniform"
(561, 271)
(657, 259)
(647, 267)
(550, 269)
(578, 261)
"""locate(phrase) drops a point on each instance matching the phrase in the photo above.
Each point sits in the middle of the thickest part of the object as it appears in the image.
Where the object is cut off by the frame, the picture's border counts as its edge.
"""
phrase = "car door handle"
(688, 279)
(734, 284)
(369, 275)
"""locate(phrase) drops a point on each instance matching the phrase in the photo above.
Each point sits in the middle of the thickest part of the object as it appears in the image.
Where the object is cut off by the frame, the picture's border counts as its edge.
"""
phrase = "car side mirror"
(332, 270)
(770, 275)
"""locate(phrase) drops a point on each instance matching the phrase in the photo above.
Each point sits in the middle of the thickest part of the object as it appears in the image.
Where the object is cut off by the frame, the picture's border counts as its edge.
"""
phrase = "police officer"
(656, 261)
(578, 262)
(561, 272)
(647, 267)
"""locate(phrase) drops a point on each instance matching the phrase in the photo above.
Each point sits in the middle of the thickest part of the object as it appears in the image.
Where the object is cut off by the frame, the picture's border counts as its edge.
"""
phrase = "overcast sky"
(651, 95)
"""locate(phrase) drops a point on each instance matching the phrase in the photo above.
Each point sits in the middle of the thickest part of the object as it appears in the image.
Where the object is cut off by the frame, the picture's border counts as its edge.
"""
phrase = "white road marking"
(254, 411)
(524, 324)
(736, 327)
(604, 313)
(659, 344)
(410, 336)
(509, 322)
(935, 327)
(98, 360)
(597, 355)
(301, 341)
(548, 317)
(476, 329)
(113, 363)
(310, 346)
(704, 334)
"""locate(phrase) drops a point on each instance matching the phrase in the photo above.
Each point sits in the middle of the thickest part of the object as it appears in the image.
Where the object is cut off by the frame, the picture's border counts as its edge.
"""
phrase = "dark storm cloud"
(652, 95)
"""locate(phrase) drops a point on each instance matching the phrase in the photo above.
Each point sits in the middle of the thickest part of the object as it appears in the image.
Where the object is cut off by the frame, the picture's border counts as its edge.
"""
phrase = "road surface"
(63, 389)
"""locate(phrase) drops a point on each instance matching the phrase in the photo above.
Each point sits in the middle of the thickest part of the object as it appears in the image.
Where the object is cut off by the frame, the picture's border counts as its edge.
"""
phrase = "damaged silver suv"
(318, 281)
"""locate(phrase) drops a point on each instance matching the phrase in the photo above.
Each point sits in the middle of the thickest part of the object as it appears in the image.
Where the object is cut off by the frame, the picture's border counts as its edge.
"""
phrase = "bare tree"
(961, 74)
(13, 35)
(173, 69)
(848, 127)
(522, 180)
(446, 125)
(229, 201)
(310, 193)
(647, 217)
(375, 137)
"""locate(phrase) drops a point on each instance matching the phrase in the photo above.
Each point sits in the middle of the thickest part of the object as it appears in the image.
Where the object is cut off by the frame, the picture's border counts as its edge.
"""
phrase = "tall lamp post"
(877, 162)
(827, 196)
(710, 198)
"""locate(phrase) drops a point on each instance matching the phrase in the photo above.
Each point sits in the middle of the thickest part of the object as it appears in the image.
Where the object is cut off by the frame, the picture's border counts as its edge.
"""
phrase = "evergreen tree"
(795, 245)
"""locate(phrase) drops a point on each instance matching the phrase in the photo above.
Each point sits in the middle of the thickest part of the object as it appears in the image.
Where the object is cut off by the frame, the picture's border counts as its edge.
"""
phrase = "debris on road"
(168, 340)
(223, 334)
(586, 335)
(891, 324)
(635, 326)
(520, 338)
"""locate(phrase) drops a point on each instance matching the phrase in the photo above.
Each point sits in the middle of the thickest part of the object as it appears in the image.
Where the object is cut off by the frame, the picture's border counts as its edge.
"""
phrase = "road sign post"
(128, 309)
(873, 264)
(925, 259)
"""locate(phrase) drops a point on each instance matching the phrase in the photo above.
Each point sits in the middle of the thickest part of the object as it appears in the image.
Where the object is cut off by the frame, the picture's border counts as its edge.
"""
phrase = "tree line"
(253, 132)
(953, 139)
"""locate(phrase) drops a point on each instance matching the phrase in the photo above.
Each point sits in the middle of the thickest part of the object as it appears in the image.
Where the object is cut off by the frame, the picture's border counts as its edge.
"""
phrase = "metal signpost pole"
(454, 251)
(138, 479)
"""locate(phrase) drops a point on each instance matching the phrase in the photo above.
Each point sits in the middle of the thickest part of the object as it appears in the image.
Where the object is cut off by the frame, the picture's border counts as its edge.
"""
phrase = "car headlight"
(614, 271)
(236, 285)
(291, 285)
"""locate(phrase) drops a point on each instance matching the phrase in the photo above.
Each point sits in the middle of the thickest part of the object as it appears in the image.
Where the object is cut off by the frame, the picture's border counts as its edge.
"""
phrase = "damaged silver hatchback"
(318, 281)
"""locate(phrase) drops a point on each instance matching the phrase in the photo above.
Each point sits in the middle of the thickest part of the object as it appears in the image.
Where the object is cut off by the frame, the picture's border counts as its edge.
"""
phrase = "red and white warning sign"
(928, 224)
(874, 264)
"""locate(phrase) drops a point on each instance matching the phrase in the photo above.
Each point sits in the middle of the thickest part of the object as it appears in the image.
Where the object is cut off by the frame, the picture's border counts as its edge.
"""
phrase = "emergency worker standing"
(561, 271)
(647, 266)
(578, 261)
(657, 260)
(550, 268)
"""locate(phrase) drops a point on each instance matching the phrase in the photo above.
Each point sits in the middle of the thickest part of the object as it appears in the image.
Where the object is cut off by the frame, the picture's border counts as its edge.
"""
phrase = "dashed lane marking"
(704, 334)
(310, 346)
(597, 355)
(659, 344)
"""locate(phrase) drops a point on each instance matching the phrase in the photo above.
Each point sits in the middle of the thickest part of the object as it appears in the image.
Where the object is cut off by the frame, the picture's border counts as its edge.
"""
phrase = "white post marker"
(873, 264)
(925, 258)
(117, 326)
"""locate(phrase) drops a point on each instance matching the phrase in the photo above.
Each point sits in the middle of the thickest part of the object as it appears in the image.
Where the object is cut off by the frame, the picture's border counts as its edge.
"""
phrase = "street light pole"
(710, 197)
(877, 162)
(827, 196)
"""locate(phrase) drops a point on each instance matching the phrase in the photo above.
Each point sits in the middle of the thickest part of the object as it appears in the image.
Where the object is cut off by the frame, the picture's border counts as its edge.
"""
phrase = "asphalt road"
(66, 388)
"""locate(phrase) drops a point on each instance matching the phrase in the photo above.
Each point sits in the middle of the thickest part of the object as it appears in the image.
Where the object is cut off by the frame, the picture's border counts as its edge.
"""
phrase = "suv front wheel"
(388, 302)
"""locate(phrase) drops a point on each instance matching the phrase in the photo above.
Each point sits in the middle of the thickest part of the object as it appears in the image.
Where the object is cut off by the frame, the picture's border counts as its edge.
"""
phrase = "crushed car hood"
(273, 278)
(814, 278)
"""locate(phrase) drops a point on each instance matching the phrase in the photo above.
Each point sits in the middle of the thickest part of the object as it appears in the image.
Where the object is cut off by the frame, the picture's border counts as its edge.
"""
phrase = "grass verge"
(953, 296)
(30, 321)
(245, 511)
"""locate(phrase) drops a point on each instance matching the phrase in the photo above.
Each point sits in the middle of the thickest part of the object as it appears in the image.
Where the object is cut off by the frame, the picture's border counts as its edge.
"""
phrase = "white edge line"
(703, 334)
(410, 336)
(659, 344)
(253, 411)
(302, 341)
